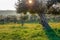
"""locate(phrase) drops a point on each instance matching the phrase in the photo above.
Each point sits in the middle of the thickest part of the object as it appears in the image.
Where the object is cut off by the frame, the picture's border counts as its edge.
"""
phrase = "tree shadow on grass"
(51, 34)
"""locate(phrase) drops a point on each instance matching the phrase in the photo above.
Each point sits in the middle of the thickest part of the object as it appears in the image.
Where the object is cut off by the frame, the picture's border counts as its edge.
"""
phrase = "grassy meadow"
(30, 31)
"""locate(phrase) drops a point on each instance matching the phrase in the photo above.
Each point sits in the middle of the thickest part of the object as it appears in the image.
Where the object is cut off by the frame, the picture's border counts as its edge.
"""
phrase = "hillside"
(8, 12)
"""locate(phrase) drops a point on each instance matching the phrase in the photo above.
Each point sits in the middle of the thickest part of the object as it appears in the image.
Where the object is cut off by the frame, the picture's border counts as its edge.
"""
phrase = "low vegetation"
(30, 31)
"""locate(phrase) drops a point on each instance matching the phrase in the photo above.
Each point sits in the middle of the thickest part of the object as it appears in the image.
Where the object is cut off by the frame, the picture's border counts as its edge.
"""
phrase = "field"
(30, 31)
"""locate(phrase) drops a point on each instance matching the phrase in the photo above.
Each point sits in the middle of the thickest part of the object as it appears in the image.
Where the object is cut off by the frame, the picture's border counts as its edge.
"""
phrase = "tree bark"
(22, 22)
(48, 30)
(44, 21)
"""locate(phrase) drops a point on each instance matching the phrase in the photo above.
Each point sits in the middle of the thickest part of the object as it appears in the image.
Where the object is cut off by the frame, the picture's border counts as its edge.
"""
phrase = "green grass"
(27, 32)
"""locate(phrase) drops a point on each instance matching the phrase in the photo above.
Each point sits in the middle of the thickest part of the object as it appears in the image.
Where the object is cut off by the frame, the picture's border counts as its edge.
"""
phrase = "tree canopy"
(35, 6)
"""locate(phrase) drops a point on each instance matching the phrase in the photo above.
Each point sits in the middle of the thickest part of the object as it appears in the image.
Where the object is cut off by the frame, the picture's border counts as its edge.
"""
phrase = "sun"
(30, 1)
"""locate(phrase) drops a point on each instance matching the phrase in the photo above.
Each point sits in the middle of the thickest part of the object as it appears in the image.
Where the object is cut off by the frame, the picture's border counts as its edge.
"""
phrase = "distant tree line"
(14, 19)
(27, 19)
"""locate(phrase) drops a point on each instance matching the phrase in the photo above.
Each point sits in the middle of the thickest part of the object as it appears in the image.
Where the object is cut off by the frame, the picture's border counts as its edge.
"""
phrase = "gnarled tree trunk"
(48, 30)
(44, 21)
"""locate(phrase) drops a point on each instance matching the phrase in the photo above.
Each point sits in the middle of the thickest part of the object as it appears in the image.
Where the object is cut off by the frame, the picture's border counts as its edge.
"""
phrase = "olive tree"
(23, 18)
(40, 7)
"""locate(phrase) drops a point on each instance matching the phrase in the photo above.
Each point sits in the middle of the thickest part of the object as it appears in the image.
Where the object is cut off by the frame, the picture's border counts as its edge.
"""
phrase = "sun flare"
(30, 1)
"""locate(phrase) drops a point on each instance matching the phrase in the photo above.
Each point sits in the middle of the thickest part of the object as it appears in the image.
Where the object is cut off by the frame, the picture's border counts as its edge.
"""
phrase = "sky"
(7, 4)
